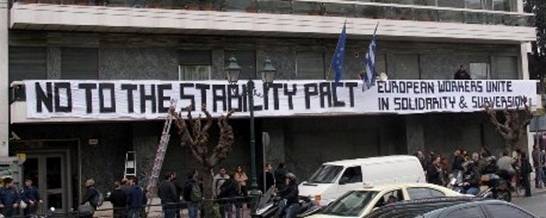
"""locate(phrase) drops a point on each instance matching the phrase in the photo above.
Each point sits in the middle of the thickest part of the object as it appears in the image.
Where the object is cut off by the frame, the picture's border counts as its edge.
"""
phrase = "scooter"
(269, 205)
(498, 188)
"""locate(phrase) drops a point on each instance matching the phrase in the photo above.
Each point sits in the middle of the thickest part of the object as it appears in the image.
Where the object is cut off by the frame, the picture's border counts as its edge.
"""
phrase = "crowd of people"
(469, 168)
(12, 199)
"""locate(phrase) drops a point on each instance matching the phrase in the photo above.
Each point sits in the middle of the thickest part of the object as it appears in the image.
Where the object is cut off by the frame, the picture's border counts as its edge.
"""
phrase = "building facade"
(193, 40)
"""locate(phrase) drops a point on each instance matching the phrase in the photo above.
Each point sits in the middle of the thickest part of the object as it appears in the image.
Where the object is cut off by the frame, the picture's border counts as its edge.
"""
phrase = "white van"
(334, 179)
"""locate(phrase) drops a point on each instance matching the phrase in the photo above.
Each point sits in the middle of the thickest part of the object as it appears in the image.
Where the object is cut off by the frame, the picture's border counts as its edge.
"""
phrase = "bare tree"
(511, 124)
(194, 133)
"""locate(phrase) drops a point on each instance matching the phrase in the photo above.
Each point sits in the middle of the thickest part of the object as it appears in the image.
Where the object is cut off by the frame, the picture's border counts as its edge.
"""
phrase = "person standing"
(9, 198)
(218, 181)
(90, 197)
(31, 197)
(434, 172)
(241, 178)
(135, 198)
(228, 191)
(192, 194)
(118, 198)
(461, 74)
(526, 169)
(169, 197)
(537, 164)
(280, 175)
(457, 166)
(269, 179)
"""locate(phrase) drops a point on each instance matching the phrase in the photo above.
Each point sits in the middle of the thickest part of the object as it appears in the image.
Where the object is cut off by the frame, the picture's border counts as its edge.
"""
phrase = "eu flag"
(339, 55)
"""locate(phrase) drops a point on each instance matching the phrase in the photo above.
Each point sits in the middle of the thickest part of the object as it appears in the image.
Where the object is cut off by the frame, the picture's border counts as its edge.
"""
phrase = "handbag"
(23, 205)
(86, 209)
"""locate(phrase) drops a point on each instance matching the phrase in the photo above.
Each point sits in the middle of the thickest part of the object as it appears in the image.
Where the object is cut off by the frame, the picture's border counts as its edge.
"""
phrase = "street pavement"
(535, 204)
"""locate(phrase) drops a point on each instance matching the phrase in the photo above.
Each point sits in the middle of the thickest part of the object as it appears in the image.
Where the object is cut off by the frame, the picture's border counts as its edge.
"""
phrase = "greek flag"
(369, 63)
(338, 59)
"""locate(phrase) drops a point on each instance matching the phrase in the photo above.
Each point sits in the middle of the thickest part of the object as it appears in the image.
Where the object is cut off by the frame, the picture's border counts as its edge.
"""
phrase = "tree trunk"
(210, 210)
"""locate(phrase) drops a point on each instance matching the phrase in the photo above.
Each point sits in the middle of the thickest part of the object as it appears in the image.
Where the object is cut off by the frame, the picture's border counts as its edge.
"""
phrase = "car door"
(350, 180)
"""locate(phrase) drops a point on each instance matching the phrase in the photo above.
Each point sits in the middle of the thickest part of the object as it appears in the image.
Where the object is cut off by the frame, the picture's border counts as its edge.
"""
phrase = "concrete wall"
(126, 56)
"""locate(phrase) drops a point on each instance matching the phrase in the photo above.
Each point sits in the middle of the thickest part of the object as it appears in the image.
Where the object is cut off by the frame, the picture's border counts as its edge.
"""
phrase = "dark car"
(412, 208)
(480, 209)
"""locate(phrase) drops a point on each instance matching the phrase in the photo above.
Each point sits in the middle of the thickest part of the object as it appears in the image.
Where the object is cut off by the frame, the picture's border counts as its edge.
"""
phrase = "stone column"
(415, 135)
(4, 79)
(53, 63)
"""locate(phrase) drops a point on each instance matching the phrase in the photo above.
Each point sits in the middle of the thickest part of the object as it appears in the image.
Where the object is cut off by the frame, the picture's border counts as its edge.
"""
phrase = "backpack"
(195, 193)
(99, 199)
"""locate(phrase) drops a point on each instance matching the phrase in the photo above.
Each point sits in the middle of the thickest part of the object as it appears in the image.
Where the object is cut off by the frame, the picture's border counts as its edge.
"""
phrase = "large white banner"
(150, 99)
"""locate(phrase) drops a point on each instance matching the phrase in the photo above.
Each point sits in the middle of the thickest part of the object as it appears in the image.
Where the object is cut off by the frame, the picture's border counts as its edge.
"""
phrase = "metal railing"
(345, 8)
(230, 207)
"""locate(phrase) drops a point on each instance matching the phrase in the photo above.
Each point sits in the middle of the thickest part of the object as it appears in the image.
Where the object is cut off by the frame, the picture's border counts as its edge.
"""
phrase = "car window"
(352, 175)
(350, 204)
(466, 212)
(390, 197)
(505, 210)
(326, 174)
(422, 192)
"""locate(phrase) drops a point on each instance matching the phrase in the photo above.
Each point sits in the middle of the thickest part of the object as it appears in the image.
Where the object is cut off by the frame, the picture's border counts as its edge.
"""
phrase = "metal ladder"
(159, 158)
(130, 164)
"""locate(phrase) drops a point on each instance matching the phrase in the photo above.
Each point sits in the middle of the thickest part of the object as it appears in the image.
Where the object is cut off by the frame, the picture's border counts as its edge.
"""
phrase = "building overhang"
(78, 18)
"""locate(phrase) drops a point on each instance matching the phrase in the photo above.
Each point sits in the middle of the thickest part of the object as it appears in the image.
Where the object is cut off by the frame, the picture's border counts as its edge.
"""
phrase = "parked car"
(334, 179)
(486, 208)
(361, 202)
(412, 208)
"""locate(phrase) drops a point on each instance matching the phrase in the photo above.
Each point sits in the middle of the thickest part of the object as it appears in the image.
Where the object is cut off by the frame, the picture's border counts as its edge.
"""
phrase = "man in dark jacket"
(135, 198)
(169, 197)
(538, 162)
(280, 175)
(526, 169)
(229, 191)
(269, 178)
(471, 178)
(461, 74)
(290, 193)
(9, 198)
(118, 198)
(31, 197)
(90, 197)
(192, 194)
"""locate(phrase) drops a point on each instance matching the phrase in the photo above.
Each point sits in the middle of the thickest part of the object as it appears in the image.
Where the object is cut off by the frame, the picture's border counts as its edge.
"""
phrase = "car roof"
(382, 187)
(484, 202)
(352, 162)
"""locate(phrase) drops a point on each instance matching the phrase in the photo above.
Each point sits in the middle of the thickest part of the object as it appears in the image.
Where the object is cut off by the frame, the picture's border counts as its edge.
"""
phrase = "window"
(245, 59)
(475, 4)
(326, 174)
(451, 3)
(79, 63)
(27, 63)
(505, 211)
(420, 193)
(310, 65)
(351, 175)
(479, 70)
(505, 67)
(390, 197)
(194, 65)
(403, 66)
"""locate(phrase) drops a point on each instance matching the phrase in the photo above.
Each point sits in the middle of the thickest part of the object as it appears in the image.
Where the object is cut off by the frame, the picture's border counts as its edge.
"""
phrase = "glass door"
(48, 174)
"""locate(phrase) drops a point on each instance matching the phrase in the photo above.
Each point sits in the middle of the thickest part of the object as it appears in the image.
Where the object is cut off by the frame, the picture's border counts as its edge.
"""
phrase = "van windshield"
(326, 174)
(351, 204)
